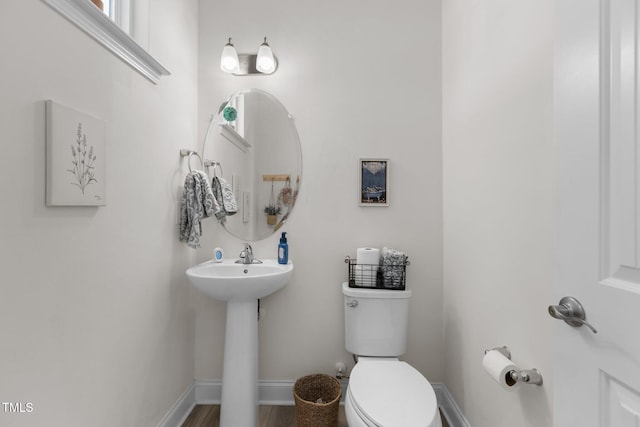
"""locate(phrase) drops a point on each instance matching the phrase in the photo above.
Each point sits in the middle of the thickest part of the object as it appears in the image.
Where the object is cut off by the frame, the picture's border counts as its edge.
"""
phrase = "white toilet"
(383, 391)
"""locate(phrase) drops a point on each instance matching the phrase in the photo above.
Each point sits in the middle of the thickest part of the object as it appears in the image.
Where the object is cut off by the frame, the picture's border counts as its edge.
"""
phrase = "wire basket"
(377, 276)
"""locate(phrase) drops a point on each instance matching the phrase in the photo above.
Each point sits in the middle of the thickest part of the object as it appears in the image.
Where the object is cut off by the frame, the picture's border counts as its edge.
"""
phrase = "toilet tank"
(375, 321)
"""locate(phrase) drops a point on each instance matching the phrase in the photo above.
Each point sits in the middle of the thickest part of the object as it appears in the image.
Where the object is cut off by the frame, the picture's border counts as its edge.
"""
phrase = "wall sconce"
(264, 62)
(229, 62)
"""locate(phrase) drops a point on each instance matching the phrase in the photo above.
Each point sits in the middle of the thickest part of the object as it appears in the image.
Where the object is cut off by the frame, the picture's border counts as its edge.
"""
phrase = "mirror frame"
(92, 21)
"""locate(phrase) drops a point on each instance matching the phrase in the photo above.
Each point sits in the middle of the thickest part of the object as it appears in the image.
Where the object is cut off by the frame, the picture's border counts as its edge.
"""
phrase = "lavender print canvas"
(75, 158)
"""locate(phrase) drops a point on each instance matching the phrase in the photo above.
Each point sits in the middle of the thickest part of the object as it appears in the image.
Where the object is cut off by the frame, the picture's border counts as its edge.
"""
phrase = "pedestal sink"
(240, 285)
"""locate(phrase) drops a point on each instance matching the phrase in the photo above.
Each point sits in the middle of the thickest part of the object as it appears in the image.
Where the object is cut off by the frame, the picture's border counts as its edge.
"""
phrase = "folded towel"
(393, 262)
(197, 203)
(224, 196)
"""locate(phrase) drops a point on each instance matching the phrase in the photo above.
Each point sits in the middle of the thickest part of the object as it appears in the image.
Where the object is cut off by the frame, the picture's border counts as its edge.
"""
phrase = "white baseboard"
(181, 409)
(209, 392)
(448, 407)
(276, 393)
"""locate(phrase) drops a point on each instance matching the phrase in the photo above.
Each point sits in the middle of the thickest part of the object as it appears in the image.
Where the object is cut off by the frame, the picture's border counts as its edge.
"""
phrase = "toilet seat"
(389, 393)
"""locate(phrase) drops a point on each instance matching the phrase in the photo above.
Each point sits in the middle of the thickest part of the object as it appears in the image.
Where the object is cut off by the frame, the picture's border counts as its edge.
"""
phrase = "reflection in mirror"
(255, 145)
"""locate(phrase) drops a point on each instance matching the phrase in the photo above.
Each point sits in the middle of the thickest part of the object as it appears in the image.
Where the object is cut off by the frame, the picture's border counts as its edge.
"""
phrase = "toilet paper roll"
(365, 276)
(368, 256)
(499, 368)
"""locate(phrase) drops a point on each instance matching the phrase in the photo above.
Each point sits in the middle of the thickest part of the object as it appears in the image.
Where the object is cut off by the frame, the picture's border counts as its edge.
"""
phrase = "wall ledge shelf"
(277, 177)
(234, 137)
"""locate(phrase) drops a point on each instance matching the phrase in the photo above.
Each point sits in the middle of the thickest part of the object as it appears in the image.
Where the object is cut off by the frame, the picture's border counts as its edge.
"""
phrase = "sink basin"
(228, 281)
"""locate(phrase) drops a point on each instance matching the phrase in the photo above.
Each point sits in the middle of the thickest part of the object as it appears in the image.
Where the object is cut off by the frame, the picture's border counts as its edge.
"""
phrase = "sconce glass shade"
(229, 62)
(265, 63)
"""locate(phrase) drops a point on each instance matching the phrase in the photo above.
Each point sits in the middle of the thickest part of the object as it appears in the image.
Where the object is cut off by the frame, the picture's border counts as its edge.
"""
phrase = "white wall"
(95, 313)
(498, 203)
(362, 79)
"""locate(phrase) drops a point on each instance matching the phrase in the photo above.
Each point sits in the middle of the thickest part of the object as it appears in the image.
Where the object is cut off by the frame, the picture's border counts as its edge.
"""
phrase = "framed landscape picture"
(374, 182)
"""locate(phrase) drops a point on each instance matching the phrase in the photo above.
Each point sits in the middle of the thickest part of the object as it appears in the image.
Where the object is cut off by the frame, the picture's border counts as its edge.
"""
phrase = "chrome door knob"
(571, 311)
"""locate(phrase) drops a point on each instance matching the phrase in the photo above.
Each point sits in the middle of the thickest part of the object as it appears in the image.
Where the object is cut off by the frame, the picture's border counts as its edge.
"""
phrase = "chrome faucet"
(246, 256)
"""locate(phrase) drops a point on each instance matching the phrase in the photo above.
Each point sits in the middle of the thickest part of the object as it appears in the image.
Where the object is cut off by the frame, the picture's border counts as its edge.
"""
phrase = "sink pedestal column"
(239, 405)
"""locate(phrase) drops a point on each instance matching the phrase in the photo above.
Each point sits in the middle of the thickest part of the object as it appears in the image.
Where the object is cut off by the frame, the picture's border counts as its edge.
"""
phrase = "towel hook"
(188, 153)
(211, 163)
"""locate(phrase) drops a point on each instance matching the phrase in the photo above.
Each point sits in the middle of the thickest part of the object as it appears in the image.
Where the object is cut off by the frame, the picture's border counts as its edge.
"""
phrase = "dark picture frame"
(374, 182)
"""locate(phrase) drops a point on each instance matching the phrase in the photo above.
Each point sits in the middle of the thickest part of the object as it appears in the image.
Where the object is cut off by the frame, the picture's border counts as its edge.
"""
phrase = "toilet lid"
(392, 393)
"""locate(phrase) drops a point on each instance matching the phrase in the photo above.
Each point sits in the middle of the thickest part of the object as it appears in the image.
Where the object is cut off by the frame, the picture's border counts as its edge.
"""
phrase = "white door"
(597, 375)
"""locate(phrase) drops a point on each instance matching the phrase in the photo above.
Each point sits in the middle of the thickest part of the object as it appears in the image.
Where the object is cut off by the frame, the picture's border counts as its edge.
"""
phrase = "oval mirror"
(254, 145)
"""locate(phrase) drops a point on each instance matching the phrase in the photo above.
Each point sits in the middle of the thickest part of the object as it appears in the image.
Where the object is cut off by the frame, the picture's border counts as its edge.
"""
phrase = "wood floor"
(270, 416)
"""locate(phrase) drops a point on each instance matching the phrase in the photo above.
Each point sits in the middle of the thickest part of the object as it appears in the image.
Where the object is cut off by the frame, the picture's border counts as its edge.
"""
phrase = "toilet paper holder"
(524, 376)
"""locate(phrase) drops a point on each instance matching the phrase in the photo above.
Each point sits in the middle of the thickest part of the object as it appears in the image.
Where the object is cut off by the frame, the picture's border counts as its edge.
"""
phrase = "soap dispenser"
(283, 249)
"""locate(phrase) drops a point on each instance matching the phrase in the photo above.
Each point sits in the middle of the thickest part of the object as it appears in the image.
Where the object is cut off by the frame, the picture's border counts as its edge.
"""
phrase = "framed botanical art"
(374, 182)
(75, 144)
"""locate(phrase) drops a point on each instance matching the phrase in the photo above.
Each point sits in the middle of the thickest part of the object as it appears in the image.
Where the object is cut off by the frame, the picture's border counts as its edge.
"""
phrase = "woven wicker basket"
(310, 390)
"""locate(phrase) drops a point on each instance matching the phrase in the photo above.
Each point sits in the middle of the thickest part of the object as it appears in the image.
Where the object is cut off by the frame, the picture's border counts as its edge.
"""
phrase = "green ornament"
(229, 114)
